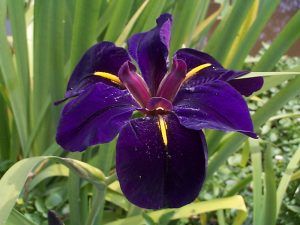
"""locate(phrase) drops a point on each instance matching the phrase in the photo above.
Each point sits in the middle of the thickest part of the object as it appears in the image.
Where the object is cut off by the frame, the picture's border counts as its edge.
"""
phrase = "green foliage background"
(47, 39)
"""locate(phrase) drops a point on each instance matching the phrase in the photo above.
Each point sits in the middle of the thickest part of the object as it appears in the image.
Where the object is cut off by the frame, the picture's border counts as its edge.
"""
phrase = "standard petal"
(94, 117)
(150, 51)
(194, 58)
(213, 105)
(156, 173)
(103, 57)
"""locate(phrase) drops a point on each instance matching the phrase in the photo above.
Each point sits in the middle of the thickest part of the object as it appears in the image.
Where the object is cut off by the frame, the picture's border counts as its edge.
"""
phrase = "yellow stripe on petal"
(109, 76)
(195, 70)
(163, 129)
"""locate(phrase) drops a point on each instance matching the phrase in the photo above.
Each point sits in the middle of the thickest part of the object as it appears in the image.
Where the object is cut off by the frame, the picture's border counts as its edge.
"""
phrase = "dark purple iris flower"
(161, 157)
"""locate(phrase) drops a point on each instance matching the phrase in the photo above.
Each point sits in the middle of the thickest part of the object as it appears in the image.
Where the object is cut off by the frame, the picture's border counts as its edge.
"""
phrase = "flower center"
(167, 90)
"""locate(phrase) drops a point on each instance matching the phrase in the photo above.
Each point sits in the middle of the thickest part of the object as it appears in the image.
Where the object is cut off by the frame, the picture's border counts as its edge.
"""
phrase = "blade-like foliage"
(40, 44)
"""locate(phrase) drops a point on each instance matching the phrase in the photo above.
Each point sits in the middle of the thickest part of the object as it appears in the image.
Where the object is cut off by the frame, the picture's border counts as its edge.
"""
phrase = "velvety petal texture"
(213, 105)
(102, 57)
(247, 86)
(150, 51)
(194, 58)
(161, 152)
(154, 175)
(94, 117)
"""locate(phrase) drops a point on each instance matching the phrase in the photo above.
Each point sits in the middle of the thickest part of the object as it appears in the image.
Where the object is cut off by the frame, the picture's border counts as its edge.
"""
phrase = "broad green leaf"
(48, 66)
(50, 171)
(235, 202)
(12, 183)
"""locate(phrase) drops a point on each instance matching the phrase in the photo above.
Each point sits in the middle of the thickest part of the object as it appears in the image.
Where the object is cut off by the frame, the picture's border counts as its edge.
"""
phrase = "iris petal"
(102, 57)
(158, 171)
(213, 105)
(94, 117)
(150, 51)
(194, 58)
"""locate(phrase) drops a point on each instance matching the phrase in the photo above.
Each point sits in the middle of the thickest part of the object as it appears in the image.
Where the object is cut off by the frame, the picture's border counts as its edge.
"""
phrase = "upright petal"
(134, 83)
(194, 58)
(213, 105)
(150, 51)
(94, 117)
(103, 57)
(157, 171)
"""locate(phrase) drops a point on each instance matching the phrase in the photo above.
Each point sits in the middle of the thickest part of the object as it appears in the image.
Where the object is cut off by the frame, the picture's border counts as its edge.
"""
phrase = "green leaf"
(17, 18)
(230, 28)
(84, 32)
(166, 218)
(115, 27)
(241, 32)
(256, 160)
(147, 19)
(234, 202)
(286, 178)
(280, 45)
(17, 218)
(11, 185)
(266, 9)
(269, 213)
(4, 129)
(13, 181)
(105, 18)
(12, 81)
(50, 171)
(48, 58)
(124, 35)
(186, 17)
(117, 199)
(205, 24)
(148, 219)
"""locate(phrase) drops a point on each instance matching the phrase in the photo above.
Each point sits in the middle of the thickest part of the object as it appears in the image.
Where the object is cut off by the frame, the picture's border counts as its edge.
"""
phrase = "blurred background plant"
(248, 182)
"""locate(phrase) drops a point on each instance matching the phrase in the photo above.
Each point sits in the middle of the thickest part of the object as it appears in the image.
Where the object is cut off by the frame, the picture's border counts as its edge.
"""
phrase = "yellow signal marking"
(109, 76)
(195, 70)
(163, 129)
